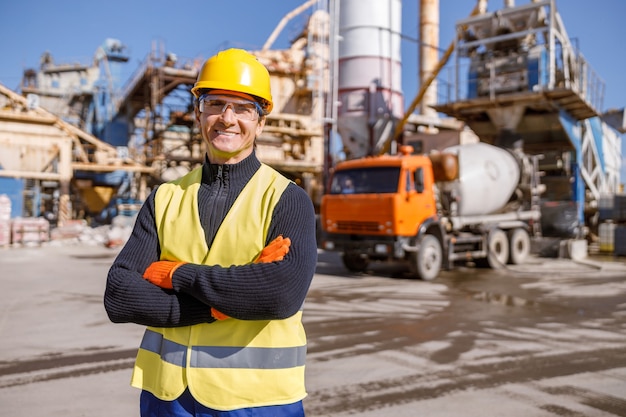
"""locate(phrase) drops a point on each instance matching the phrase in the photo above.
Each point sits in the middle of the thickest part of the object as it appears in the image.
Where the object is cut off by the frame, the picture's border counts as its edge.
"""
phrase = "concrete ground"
(547, 339)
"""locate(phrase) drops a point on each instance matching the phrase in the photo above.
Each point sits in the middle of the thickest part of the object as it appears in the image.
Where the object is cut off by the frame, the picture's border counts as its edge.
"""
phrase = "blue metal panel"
(537, 67)
(14, 189)
(472, 84)
(116, 133)
(578, 188)
(572, 129)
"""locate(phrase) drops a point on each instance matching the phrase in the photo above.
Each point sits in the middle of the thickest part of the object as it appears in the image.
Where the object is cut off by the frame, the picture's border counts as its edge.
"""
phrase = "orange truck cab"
(384, 208)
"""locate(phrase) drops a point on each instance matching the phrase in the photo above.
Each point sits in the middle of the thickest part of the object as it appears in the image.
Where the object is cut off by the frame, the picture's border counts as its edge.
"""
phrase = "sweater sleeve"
(263, 291)
(129, 298)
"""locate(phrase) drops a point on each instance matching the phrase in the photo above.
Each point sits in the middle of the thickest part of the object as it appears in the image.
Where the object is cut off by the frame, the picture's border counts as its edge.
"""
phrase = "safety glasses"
(242, 109)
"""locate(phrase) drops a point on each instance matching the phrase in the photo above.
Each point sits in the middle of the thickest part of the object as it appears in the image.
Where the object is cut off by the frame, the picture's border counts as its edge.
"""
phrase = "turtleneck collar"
(241, 171)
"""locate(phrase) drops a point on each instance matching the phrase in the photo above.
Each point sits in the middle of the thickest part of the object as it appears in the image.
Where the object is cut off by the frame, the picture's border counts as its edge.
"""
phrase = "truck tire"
(426, 262)
(354, 262)
(497, 250)
(519, 246)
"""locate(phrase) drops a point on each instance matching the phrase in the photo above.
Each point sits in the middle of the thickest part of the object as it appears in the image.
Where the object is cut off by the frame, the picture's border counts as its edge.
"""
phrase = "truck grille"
(355, 226)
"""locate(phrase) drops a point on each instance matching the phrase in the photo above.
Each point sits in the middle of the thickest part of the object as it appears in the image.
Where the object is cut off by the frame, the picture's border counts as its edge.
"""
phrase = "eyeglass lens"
(242, 110)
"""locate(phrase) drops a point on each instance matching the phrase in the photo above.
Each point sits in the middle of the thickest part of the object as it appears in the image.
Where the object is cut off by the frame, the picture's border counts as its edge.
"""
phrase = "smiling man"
(218, 267)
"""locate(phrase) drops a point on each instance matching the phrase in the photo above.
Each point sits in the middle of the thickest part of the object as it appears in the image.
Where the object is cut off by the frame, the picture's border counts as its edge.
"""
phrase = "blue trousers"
(187, 406)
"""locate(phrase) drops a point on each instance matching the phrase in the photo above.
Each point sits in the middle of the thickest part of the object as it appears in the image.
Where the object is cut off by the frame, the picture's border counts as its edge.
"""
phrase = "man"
(218, 266)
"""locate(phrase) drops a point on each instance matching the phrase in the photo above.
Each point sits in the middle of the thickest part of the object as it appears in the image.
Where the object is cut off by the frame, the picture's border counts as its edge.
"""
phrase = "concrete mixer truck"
(474, 202)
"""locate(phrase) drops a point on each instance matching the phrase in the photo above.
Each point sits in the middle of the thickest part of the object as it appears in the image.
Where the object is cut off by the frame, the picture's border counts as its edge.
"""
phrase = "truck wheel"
(519, 246)
(426, 262)
(497, 250)
(354, 262)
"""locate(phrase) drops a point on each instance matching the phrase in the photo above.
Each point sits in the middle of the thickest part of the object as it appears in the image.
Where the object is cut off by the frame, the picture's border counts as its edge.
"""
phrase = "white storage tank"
(5, 207)
(5, 220)
(370, 73)
(607, 237)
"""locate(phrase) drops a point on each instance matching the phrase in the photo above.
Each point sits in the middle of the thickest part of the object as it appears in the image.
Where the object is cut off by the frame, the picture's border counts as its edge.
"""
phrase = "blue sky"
(71, 30)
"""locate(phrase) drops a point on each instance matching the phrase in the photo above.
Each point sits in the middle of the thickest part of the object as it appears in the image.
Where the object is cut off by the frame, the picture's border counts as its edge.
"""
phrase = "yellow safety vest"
(227, 364)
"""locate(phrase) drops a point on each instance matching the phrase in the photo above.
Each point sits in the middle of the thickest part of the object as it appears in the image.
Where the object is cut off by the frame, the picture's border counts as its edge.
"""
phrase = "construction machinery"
(148, 122)
(524, 90)
(517, 83)
(473, 202)
(520, 82)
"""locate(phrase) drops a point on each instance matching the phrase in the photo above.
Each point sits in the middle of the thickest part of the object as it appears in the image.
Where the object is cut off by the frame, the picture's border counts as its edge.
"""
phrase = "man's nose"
(228, 115)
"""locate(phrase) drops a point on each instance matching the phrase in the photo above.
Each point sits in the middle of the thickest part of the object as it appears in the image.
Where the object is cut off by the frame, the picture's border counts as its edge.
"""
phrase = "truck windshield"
(373, 180)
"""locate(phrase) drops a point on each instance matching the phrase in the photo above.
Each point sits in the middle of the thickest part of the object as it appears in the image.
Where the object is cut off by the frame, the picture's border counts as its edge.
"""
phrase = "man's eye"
(243, 108)
(214, 105)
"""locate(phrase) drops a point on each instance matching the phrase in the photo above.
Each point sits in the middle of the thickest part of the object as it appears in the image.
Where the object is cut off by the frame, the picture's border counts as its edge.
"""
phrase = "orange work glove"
(274, 251)
(218, 315)
(160, 273)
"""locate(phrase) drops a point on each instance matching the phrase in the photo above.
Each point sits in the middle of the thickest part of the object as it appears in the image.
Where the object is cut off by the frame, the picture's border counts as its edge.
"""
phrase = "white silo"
(370, 74)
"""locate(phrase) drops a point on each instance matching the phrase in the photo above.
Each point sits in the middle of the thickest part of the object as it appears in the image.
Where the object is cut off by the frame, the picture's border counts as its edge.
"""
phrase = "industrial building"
(80, 143)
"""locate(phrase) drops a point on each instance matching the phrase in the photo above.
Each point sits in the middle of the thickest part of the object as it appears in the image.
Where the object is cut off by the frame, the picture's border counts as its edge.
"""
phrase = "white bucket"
(607, 237)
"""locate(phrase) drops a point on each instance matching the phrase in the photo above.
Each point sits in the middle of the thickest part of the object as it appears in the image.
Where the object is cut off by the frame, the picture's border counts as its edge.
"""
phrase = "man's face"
(230, 133)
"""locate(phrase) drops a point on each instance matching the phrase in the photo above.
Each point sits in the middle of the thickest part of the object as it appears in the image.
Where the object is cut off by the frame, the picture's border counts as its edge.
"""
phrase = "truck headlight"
(381, 249)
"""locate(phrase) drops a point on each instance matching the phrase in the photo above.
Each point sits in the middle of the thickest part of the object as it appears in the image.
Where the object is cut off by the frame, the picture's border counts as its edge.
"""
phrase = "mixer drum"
(488, 175)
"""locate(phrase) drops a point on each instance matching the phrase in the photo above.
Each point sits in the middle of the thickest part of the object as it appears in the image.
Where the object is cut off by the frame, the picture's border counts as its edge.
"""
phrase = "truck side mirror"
(419, 180)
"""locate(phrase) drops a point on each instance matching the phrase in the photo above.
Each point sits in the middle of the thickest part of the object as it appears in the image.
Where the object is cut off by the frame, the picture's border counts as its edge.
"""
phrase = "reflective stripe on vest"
(227, 364)
(170, 352)
(223, 356)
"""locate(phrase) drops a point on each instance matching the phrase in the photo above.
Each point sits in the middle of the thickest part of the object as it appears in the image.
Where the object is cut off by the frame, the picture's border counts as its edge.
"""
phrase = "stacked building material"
(619, 216)
(612, 229)
(29, 231)
(5, 221)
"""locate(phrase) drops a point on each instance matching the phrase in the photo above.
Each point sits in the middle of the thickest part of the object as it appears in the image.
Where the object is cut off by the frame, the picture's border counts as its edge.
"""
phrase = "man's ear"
(260, 125)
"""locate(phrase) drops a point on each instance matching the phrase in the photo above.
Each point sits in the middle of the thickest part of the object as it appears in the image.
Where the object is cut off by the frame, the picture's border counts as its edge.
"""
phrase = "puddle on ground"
(504, 299)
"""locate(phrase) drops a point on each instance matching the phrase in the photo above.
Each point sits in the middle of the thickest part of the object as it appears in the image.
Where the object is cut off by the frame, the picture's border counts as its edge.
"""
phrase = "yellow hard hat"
(236, 70)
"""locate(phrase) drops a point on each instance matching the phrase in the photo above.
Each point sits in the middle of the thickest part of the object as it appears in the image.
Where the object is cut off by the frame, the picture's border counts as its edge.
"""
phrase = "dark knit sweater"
(250, 292)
